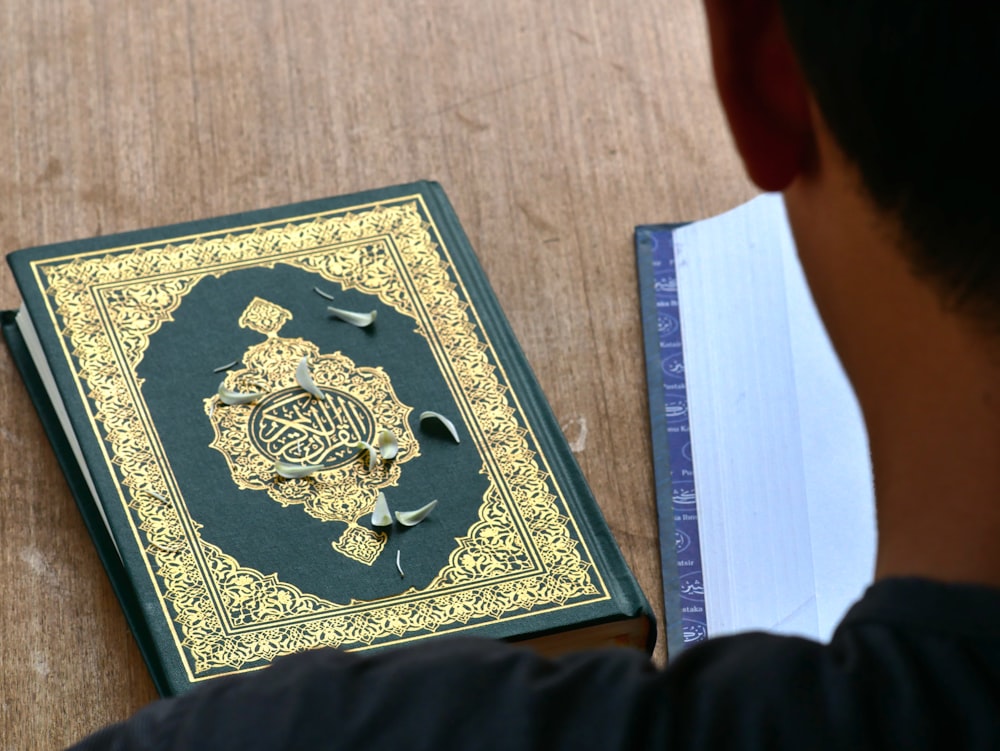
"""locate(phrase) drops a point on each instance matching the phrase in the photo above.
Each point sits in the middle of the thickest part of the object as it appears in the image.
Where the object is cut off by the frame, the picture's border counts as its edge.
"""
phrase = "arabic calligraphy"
(292, 425)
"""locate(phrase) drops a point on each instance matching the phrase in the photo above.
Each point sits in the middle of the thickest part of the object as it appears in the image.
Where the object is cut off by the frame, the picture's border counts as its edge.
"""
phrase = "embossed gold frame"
(521, 557)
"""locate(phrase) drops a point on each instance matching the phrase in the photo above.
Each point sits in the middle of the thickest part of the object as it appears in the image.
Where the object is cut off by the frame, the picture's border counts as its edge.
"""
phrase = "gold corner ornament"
(290, 425)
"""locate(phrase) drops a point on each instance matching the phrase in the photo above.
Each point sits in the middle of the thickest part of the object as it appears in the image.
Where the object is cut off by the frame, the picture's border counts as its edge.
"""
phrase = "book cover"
(180, 369)
(759, 431)
(677, 512)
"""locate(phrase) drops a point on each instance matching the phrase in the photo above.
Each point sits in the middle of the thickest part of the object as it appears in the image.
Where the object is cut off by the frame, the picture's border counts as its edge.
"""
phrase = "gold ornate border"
(518, 557)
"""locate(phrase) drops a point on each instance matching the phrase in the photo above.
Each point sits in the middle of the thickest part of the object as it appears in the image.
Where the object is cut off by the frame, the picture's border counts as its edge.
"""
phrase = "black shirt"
(915, 664)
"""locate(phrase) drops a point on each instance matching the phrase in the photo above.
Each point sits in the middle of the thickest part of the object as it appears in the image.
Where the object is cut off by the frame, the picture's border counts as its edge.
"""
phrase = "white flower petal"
(357, 319)
(388, 446)
(295, 471)
(380, 514)
(321, 293)
(372, 454)
(411, 518)
(304, 378)
(448, 424)
(228, 396)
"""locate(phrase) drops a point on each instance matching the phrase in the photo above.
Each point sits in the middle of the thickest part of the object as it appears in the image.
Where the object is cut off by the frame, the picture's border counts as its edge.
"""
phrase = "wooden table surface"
(555, 126)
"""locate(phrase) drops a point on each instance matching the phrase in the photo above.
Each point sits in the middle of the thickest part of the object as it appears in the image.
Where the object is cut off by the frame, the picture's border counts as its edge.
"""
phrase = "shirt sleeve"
(446, 694)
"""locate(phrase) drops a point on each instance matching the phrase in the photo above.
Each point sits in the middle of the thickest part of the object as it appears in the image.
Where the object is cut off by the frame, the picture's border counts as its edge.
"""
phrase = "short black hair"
(911, 92)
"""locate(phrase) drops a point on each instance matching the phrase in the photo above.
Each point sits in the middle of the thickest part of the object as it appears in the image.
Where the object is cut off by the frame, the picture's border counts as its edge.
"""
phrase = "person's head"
(877, 120)
(908, 90)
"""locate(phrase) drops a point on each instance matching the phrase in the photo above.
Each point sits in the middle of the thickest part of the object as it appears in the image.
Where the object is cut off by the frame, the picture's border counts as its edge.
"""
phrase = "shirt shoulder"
(913, 665)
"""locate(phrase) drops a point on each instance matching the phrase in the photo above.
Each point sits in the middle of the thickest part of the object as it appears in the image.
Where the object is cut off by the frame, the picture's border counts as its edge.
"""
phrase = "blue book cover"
(683, 590)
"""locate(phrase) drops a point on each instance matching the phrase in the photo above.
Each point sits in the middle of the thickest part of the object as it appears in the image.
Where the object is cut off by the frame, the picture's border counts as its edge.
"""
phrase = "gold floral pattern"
(520, 556)
(292, 426)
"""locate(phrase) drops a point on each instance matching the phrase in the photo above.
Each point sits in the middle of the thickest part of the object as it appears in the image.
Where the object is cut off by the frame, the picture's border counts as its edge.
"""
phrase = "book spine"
(644, 242)
(85, 502)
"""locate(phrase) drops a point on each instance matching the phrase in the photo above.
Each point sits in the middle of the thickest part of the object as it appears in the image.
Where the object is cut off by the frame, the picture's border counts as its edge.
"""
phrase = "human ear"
(763, 93)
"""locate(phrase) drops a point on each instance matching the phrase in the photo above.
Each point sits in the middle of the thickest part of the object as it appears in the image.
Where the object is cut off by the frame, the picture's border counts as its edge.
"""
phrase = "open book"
(764, 480)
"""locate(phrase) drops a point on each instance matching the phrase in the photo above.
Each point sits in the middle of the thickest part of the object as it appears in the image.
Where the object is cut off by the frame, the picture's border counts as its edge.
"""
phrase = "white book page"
(27, 328)
(782, 473)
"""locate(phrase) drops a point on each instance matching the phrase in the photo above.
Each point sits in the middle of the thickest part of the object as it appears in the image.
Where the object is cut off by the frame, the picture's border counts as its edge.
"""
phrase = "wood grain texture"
(554, 126)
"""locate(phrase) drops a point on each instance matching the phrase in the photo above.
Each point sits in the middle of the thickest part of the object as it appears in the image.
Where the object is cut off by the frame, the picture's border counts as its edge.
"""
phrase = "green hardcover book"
(227, 433)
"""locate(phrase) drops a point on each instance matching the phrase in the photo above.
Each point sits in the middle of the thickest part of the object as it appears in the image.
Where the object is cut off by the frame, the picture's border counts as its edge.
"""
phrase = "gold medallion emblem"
(291, 425)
